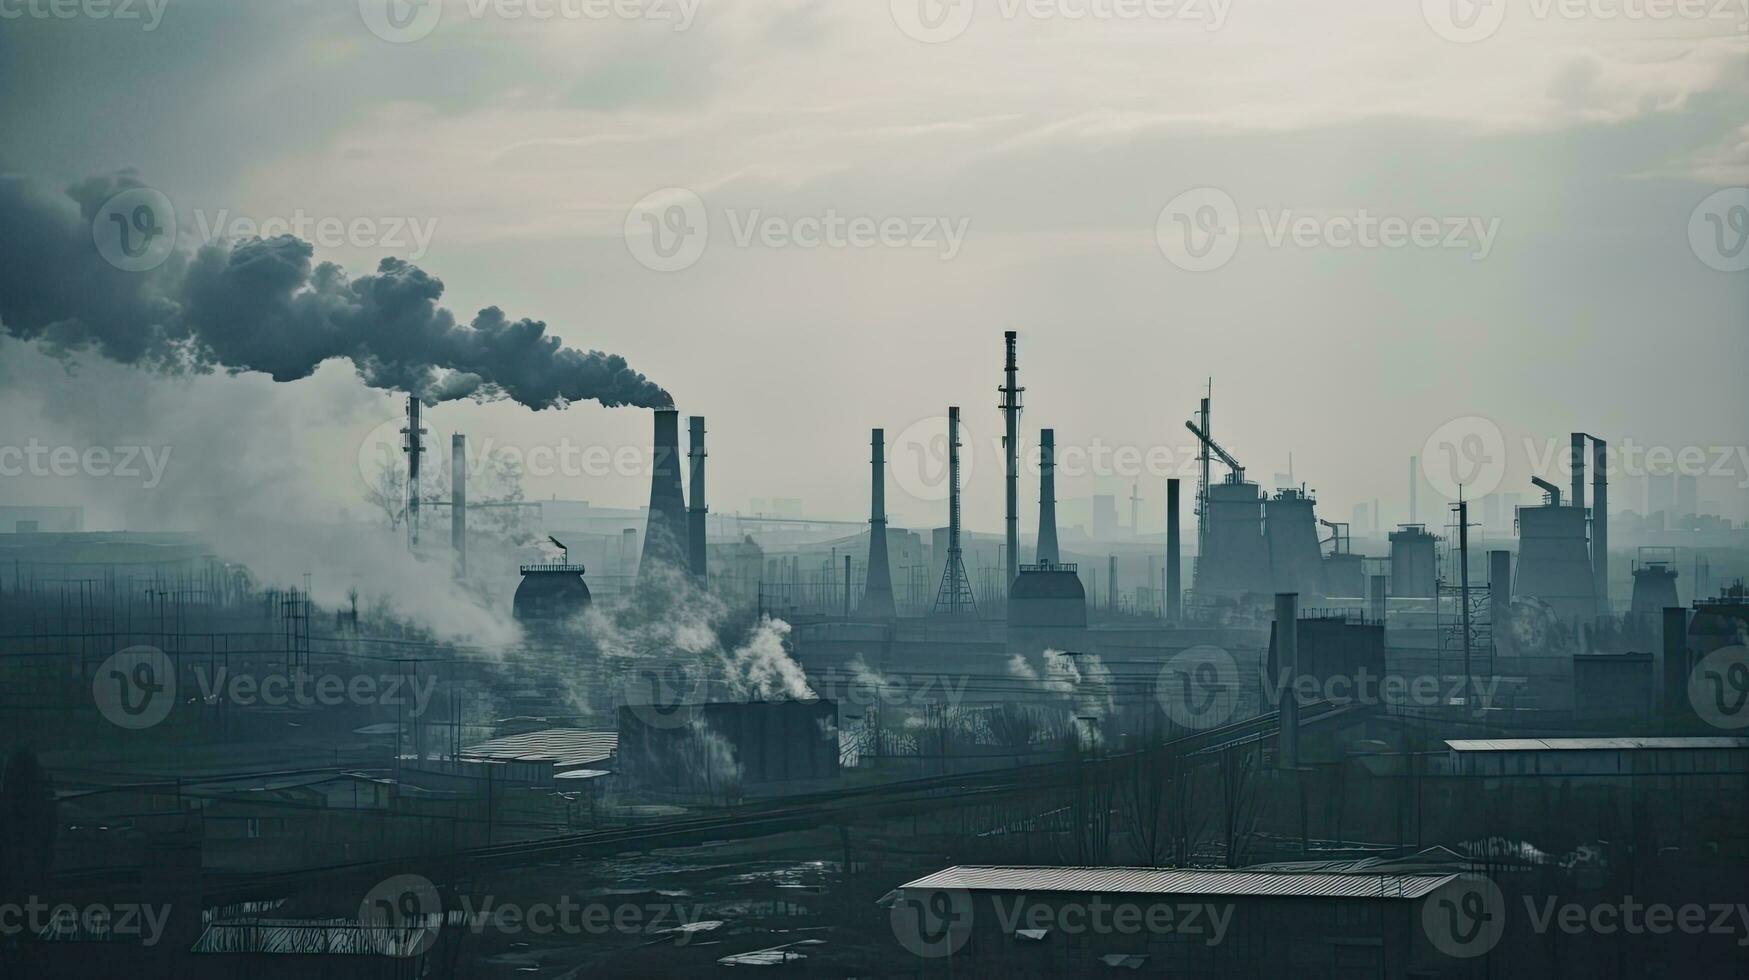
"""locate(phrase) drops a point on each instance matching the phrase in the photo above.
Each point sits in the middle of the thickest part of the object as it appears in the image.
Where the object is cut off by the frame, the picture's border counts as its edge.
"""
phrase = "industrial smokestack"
(1414, 488)
(458, 501)
(1047, 498)
(696, 511)
(877, 595)
(1578, 457)
(415, 448)
(1011, 448)
(665, 531)
(1174, 588)
(1600, 522)
(954, 598)
(1287, 653)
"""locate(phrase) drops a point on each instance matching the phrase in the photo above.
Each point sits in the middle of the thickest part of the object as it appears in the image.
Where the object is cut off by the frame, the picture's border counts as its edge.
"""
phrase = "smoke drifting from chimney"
(264, 305)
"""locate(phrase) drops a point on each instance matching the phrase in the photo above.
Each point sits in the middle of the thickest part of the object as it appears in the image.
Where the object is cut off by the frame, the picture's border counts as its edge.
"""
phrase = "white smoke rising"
(244, 477)
(762, 670)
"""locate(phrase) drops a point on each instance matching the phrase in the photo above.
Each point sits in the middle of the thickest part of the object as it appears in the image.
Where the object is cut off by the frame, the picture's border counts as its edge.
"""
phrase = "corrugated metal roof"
(1593, 744)
(1180, 881)
(564, 747)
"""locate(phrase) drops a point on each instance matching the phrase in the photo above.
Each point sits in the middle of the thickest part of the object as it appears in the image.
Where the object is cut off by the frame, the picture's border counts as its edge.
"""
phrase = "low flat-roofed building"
(1020, 921)
(1624, 756)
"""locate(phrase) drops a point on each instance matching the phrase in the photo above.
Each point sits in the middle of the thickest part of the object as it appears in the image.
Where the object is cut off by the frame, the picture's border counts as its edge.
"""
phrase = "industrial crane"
(1238, 471)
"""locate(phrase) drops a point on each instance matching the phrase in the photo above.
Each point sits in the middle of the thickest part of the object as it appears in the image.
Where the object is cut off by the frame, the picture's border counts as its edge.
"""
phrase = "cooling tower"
(1554, 562)
(665, 533)
(1235, 558)
(1654, 590)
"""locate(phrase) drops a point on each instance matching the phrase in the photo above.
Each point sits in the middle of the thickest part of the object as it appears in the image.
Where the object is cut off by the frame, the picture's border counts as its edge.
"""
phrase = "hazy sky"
(1006, 171)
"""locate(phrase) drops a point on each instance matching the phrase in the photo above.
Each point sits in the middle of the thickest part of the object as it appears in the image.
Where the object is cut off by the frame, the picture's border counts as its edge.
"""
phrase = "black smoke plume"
(263, 305)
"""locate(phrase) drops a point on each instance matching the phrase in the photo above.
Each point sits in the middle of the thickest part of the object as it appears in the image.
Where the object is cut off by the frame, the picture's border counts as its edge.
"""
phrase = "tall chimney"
(1287, 663)
(1414, 488)
(1174, 588)
(1578, 457)
(1011, 449)
(696, 510)
(665, 532)
(955, 595)
(1600, 522)
(415, 449)
(877, 594)
(458, 501)
(1047, 498)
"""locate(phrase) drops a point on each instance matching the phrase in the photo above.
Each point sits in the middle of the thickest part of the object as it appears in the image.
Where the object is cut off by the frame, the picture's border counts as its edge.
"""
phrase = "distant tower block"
(1414, 563)
(954, 598)
(1047, 498)
(665, 533)
(877, 596)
